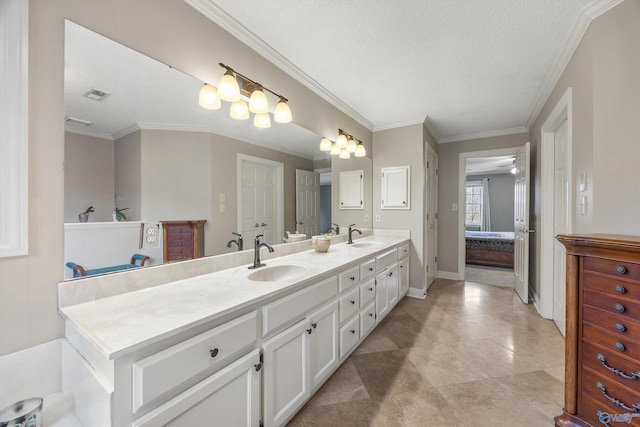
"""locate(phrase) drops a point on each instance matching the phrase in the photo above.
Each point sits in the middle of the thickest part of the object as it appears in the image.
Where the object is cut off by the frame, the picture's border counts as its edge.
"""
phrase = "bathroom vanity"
(238, 346)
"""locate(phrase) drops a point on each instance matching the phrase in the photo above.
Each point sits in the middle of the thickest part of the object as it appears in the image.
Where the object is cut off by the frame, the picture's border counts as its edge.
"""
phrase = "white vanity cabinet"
(387, 284)
(403, 269)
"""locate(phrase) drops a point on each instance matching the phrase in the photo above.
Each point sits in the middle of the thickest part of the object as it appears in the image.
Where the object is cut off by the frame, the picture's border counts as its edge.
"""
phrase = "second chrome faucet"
(256, 254)
(351, 230)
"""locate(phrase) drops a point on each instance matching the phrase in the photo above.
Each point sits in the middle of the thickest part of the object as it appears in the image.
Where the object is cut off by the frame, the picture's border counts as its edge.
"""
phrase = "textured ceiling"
(471, 66)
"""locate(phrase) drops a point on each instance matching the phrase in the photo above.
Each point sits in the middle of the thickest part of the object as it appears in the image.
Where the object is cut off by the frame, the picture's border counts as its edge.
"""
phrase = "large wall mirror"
(137, 140)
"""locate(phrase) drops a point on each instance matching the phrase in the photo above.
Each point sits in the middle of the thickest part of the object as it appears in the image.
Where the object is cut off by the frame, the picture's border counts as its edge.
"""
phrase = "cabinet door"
(324, 342)
(351, 189)
(395, 188)
(393, 286)
(231, 397)
(403, 275)
(286, 373)
(382, 303)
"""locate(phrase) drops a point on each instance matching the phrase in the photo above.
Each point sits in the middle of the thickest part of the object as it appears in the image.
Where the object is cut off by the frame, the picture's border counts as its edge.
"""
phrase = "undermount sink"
(366, 245)
(277, 272)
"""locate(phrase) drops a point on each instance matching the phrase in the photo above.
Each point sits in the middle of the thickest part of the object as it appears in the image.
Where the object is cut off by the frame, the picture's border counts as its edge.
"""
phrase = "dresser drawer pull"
(603, 361)
(213, 352)
(353, 331)
(619, 308)
(620, 289)
(619, 346)
(620, 269)
(620, 327)
(603, 389)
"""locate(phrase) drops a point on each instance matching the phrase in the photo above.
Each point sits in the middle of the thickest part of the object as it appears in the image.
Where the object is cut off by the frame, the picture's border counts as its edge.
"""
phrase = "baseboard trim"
(448, 275)
(417, 293)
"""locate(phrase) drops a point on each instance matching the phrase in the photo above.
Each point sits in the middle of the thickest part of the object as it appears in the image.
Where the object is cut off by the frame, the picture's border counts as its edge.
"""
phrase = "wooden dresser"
(602, 355)
(183, 239)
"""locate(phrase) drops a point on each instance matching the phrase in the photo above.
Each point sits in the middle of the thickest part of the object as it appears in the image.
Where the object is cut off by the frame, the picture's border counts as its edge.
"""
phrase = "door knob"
(263, 224)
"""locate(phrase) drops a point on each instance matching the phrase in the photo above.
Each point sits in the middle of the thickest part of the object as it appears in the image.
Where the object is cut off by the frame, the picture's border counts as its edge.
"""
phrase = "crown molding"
(399, 124)
(432, 129)
(246, 36)
(587, 14)
(84, 132)
(489, 134)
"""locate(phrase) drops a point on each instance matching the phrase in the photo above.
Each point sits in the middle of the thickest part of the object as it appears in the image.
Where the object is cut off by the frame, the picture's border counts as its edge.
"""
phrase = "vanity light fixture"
(344, 145)
(232, 86)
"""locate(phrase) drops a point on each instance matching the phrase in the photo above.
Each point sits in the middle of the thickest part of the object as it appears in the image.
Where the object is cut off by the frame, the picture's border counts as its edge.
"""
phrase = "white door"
(560, 222)
(324, 342)
(521, 224)
(286, 373)
(260, 199)
(307, 202)
(432, 216)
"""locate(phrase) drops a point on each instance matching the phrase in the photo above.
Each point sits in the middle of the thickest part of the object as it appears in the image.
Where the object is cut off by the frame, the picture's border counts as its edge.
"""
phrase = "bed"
(492, 248)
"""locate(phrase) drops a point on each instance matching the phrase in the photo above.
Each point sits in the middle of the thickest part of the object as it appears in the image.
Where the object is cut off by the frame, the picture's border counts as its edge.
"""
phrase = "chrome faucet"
(238, 241)
(336, 229)
(256, 253)
(351, 230)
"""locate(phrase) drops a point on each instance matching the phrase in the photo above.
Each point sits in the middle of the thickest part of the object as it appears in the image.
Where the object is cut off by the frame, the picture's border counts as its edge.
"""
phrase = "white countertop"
(124, 323)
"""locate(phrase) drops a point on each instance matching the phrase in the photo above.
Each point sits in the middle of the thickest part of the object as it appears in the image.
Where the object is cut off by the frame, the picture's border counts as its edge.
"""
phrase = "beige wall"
(401, 147)
(129, 174)
(603, 74)
(168, 30)
(449, 157)
(88, 177)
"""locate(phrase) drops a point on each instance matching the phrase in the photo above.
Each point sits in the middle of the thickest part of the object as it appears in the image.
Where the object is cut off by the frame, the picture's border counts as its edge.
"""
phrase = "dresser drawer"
(368, 269)
(367, 292)
(612, 268)
(180, 252)
(403, 251)
(612, 304)
(612, 286)
(590, 410)
(611, 365)
(608, 391)
(367, 319)
(179, 230)
(349, 336)
(348, 278)
(166, 370)
(611, 322)
(349, 304)
(615, 343)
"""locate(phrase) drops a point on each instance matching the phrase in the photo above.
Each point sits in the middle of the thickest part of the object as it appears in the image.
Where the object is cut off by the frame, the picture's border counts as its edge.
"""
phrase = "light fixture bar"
(226, 67)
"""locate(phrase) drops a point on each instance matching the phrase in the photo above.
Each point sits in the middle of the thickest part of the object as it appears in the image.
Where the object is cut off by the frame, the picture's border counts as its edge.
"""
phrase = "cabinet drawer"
(403, 251)
(612, 268)
(611, 322)
(167, 369)
(349, 336)
(613, 304)
(590, 409)
(179, 230)
(293, 307)
(386, 259)
(618, 368)
(349, 304)
(348, 278)
(367, 319)
(612, 286)
(367, 292)
(615, 343)
(368, 269)
(599, 388)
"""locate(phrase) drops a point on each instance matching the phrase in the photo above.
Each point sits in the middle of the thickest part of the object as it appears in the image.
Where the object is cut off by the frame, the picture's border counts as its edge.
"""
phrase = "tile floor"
(470, 354)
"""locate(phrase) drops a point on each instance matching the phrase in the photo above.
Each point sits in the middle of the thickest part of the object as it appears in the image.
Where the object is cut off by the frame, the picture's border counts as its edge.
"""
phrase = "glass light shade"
(209, 98)
(351, 145)
(344, 154)
(325, 144)
(360, 151)
(258, 102)
(262, 120)
(335, 150)
(228, 88)
(341, 141)
(239, 110)
(282, 114)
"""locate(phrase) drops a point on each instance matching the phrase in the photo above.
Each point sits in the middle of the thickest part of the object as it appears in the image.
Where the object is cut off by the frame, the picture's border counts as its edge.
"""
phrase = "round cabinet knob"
(619, 346)
(371, 289)
(619, 308)
(180, 230)
(314, 325)
(213, 352)
(620, 269)
(179, 243)
(370, 314)
(620, 327)
(353, 302)
(370, 268)
(352, 278)
(620, 289)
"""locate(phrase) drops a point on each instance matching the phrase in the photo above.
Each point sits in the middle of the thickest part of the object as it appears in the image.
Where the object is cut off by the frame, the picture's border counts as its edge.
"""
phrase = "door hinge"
(261, 424)
(436, 215)
(427, 268)
(427, 217)
(436, 260)
(427, 165)
(261, 357)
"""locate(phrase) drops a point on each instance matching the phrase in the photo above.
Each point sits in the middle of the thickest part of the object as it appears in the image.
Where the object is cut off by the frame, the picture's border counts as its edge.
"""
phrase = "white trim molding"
(448, 275)
(489, 134)
(587, 14)
(14, 126)
(417, 293)
(216, 14)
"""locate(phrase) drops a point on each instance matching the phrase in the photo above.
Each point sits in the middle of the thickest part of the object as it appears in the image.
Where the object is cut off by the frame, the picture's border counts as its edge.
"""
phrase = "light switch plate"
(377, 217)
(583, 181)
(366, 218)
(222, 197)
(222, 207)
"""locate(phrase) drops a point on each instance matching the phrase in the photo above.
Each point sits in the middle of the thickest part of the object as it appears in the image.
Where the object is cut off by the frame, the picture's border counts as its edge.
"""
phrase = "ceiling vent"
(96, 95)
(77, 122)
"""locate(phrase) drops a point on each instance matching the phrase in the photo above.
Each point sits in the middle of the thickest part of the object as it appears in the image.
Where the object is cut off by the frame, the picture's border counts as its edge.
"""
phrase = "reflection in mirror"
(137, 140)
